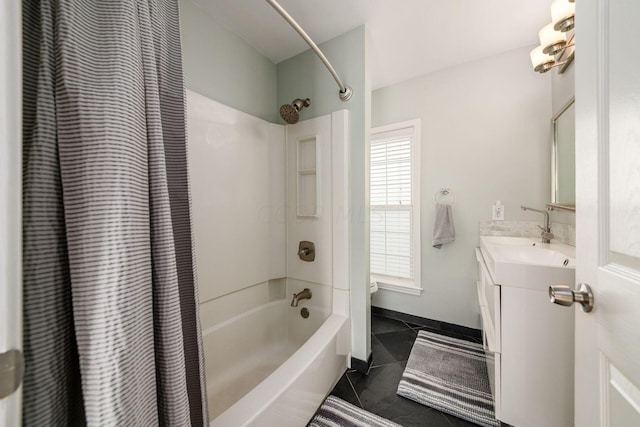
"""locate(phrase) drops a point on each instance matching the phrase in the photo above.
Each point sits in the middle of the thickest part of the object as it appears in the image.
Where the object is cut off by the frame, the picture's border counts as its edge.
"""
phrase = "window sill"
(389, 284)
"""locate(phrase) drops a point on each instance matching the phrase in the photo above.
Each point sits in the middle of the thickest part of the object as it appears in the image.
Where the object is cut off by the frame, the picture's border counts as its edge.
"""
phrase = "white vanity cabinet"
(528, 342)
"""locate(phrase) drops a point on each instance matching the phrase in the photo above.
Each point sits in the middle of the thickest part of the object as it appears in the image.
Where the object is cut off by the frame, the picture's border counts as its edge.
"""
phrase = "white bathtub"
(271, 367)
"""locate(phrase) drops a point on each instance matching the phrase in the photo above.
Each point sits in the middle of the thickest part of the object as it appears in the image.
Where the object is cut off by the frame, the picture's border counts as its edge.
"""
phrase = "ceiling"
(409, 38)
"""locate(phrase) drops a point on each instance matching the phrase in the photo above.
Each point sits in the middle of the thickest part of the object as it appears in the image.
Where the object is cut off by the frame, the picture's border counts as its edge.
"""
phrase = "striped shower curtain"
(111, 328)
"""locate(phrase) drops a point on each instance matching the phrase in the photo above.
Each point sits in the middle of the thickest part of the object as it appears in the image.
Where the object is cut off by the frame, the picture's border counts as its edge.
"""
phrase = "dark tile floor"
(391, 342)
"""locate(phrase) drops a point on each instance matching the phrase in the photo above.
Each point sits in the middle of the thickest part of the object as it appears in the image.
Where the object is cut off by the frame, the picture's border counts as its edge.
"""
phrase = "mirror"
(564, 158)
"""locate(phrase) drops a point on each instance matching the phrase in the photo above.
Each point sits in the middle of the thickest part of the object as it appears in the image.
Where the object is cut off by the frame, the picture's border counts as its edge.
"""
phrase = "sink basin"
(528, 263)
(532, 255)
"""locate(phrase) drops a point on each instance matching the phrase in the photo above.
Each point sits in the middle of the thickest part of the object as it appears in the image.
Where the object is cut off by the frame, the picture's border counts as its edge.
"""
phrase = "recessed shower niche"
(308, 191)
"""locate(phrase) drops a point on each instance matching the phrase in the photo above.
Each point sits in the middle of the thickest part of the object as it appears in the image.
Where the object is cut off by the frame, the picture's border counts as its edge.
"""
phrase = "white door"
(10, 212)
(607, 371)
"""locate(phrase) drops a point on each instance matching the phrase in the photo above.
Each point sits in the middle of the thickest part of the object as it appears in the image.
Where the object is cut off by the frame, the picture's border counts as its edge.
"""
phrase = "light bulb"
(541, 61)
(562, 10)
(549, 36)
(551, 40)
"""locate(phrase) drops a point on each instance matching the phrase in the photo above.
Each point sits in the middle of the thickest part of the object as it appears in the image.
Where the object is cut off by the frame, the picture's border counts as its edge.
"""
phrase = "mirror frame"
(554, 164)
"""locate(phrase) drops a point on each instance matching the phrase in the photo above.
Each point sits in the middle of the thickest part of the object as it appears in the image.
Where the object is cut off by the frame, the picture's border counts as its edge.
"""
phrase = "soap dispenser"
(498, 211)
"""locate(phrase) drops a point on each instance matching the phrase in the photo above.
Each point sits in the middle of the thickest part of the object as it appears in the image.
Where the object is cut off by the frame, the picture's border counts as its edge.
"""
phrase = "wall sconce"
(556, 39)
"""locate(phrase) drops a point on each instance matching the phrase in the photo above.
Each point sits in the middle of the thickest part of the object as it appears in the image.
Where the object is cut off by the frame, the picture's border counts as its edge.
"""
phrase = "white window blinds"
(391, 198)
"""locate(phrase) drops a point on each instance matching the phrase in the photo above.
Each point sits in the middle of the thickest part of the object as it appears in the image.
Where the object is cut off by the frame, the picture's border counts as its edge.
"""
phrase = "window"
(394, 181)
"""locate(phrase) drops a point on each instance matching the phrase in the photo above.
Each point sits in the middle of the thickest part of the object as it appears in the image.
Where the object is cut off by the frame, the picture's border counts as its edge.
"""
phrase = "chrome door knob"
(564, 295)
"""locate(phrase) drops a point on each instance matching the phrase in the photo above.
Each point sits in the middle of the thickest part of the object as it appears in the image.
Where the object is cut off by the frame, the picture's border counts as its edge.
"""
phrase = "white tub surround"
(237, 176)
(316, 149)
(320, 212)
(257, 191)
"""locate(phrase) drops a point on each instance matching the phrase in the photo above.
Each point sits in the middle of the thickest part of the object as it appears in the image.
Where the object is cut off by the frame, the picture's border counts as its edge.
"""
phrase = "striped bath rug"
(336, 412)
(450, 375)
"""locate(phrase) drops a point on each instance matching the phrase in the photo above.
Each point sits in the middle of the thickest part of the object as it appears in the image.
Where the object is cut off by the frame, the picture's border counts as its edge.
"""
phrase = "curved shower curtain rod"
(345, 91)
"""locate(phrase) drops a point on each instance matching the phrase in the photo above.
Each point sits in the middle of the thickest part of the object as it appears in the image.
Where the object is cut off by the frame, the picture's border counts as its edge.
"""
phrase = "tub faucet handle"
(307, 251)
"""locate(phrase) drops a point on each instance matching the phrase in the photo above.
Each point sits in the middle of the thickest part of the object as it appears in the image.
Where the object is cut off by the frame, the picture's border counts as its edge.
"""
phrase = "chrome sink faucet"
(546, 233)
(303, 294)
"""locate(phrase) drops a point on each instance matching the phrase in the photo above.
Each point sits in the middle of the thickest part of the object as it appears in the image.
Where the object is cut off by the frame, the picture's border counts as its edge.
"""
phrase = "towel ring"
(444, 196)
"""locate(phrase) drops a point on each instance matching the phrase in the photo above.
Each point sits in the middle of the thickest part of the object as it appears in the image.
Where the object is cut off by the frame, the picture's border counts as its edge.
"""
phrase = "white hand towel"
(443, 230)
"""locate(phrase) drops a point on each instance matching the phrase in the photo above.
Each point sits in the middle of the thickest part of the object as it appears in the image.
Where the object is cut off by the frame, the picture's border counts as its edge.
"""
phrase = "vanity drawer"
(489, 301)
(490, 331)
(492, 296)
(481, 283)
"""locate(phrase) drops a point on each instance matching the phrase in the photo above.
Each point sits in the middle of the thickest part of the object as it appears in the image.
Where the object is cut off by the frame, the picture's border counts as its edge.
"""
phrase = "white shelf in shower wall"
(308, 185)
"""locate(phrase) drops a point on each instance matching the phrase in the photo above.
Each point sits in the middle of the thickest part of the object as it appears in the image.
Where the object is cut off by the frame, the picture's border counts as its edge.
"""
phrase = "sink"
(532, 255)
(527, 263)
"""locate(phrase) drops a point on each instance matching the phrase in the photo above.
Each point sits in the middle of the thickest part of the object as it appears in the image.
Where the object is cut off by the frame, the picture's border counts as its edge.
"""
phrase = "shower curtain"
(111, 327)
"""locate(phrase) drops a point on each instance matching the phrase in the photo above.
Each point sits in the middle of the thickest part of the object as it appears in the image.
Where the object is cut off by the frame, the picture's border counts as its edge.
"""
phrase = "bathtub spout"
(304, 294)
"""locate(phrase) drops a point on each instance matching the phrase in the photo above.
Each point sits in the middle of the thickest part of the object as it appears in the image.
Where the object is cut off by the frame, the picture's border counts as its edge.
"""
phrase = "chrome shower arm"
(345, 91)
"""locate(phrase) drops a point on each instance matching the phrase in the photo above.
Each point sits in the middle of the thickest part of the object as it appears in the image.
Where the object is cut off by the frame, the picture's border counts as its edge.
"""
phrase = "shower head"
(289, 112)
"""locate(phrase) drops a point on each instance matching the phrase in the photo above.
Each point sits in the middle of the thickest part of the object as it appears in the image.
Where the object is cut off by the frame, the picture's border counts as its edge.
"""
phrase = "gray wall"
(305, 76)
(221, 66)
(486, 135)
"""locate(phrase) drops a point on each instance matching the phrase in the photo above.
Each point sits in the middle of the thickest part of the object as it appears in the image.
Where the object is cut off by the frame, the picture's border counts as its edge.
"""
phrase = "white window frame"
(406, 128)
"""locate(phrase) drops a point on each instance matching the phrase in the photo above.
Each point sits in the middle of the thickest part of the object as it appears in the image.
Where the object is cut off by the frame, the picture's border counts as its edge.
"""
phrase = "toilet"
(373, 288)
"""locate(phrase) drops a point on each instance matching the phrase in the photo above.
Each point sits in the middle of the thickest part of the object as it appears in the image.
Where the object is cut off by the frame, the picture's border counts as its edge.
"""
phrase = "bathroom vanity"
(528, 340)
